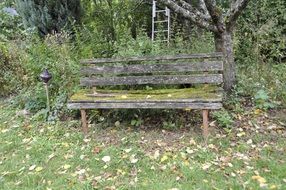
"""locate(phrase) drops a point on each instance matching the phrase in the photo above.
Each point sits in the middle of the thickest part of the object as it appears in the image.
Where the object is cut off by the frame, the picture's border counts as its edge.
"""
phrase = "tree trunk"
(224, 43)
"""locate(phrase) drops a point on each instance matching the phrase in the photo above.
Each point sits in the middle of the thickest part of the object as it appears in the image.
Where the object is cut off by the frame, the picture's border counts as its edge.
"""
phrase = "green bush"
(58, 55)
(12, 74)
(224, 118)
(11, 27)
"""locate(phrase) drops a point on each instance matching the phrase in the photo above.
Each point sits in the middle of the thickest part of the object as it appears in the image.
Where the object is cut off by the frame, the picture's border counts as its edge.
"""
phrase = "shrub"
(224, 118)
(57, 54)
(12, 75)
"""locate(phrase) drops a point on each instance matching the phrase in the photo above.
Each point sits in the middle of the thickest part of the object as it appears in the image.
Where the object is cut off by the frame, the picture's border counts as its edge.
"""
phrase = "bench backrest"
(178, 69)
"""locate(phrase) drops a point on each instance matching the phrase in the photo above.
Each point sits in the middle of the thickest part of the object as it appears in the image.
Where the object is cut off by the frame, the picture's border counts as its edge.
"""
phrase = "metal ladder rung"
(161, 21)
(160, 11)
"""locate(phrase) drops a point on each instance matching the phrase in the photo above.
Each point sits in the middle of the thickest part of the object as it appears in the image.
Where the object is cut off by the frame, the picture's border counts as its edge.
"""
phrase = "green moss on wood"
(204, 92)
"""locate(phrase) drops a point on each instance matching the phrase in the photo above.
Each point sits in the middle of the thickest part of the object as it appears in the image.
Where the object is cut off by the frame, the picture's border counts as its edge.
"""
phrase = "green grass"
(35, 155)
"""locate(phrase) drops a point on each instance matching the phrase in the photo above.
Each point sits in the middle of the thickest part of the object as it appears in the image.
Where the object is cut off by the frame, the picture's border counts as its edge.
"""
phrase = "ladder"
(161, 23)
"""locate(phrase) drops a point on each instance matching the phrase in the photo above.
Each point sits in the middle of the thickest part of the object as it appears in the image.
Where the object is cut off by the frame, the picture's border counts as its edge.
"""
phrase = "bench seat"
(204, 97)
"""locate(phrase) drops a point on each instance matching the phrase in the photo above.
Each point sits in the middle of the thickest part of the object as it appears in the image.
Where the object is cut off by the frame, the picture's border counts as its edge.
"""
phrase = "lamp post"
(46, 77)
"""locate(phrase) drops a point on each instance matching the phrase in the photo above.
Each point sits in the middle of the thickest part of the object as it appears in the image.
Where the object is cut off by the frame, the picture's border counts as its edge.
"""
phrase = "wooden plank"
(152, 68)
(202, 100)
(159, 79)
(153, 58)
(144, 105)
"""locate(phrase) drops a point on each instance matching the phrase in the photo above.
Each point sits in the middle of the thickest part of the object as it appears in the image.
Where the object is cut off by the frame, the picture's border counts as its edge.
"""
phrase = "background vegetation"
(246, 152)
(56, 34)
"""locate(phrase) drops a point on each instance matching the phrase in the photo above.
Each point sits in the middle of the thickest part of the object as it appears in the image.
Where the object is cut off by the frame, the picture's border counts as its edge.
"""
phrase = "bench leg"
(205, 123)
(84, 122)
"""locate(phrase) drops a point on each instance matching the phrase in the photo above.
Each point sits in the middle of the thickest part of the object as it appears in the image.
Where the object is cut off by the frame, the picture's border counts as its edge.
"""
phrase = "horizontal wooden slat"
(153, 58)
(152, 68)
(159, 79)
(195, 100)
(143, 105)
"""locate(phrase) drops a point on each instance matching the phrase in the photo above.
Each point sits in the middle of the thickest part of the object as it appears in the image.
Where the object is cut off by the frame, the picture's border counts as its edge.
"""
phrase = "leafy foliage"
(49, 16)
(224, 118)
(11, 27)
(262, 29)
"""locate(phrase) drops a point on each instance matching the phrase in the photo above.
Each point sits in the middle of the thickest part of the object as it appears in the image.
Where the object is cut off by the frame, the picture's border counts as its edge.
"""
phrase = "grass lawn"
(36, 155)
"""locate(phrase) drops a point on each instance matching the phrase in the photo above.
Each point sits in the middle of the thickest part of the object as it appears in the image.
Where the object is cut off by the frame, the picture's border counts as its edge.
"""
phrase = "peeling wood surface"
(152, 68)
(152, 58)
(159, 79)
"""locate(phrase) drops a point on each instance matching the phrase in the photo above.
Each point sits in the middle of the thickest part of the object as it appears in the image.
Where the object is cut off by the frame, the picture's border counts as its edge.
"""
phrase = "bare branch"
(216, 14)
(192, 16)
(234, 12)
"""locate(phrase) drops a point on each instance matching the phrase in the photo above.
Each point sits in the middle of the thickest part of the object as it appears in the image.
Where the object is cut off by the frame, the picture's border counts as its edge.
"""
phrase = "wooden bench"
(178, 82)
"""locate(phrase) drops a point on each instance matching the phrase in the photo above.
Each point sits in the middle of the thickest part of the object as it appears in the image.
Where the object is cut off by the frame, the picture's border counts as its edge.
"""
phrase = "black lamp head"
(46, 76)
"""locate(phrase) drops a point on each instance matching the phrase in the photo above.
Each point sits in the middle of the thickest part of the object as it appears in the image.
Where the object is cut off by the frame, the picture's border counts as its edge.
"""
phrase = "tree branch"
(203, 8)
(237, 7)
(216, 14)
(192, 16)
(200, 14)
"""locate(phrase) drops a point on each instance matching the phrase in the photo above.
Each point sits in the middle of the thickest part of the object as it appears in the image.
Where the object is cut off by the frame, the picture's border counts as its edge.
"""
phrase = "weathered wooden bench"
(182, 81)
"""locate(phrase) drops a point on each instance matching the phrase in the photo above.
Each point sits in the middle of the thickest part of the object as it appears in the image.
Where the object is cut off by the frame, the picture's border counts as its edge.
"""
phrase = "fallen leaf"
(106, 159)
(117, 124)
(80, 172)
(96, 150)
(32, 167)
(38, 169)
(82, 157)
(241, 134)
(132, 159)
(51, 156)
(156, 154)
(259, 179)
(148, 96)
(128, 150)
(273, 187)
(192, 142)
(249, 141)
(66, 166)
(206, 166)
(164, 158)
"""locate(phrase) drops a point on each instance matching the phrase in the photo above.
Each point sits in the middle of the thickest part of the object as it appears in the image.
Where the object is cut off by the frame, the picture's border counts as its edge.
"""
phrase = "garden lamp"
(46, 77)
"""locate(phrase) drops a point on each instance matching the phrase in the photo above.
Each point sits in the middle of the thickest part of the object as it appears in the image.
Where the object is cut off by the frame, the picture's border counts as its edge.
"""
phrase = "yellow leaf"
(186, 163)
(65, 144)
(273, 187)
(164, 158)
(38, 169)
(257, 111)
(66, 166)
(148, 96)
(259, 179)
(124, 96)
(240, 134)
(4, 130)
